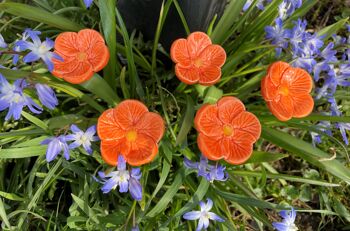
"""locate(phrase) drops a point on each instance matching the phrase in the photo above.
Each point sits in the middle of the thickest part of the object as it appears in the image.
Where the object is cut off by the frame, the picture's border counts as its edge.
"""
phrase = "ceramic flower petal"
(227, 130)
(83, 53)
(130, 130)
(197, 60)
(286, 91)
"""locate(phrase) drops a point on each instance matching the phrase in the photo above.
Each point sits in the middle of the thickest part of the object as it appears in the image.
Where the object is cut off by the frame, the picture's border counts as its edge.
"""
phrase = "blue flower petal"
(135, 189)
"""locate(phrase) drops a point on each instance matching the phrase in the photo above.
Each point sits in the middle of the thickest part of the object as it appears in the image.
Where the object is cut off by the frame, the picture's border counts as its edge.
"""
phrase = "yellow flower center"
(131, 136)
(283, 90)
(81, 56)
(198, 62)
(228, 130)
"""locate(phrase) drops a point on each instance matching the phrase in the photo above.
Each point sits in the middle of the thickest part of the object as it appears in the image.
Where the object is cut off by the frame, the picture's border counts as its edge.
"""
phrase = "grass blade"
(39, 15)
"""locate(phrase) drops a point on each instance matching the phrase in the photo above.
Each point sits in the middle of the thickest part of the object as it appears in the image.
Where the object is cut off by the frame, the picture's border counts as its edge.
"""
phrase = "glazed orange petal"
(98, 56)
(110, 151)
(179, 52)
(210, 75)
(129, 112)
(303, 105)
(210, 146)
(187, 75)
(152, 125)
(298, 80)
(241, 148)
(66, 42)
(60, 68)
(87, 38)
(249, 123)
(207, 121)
(197, 42)
(276, 71)
(213, 55)
(282, 109)
(143, 150)
(108, 128)
(268, 90)
(228, 108)
(81, 73)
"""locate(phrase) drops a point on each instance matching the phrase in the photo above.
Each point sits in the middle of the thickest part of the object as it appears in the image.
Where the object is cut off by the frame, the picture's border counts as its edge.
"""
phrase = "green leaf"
(244, 200)
(187, 121)
(135, 82)
(228, 19)
(100, 87)
(33, 202)
(30, 131)
(213, 95)
(36, 121)
(169, 194)
(3, 214)
(16, 153)
(85, 207)
(77, 93)
(258, 157)
(285, 177)
(164, 149)
(307, 152)
(108, 21)
(13, 74)
(65, 120)
(201, 191)
(39, 15)
(11, 196)
(328, 31)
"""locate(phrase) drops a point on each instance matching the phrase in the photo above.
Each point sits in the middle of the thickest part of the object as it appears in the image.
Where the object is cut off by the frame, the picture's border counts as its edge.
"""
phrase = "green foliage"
(285, 170)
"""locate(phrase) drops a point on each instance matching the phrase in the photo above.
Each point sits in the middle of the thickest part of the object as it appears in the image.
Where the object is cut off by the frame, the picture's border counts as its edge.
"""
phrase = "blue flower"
(209, 172)
(39, 50)
(328, 56)
(288, 221)
(13, 98)
(217, 172)
(3, 44)
(135, 228)
(287, 7)
(297, 35)
(88, 3)
(259, 5)
(25, 37)
(323, 126)
(343, 127)
(203, 215)
(278, 35)
(313, 44)
(56, 145)
(46, 95)
(127, 181)
(82, 138)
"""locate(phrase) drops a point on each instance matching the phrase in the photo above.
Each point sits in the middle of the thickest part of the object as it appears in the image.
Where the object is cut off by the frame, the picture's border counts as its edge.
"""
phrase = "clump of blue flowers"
(55, 145)
(15, 96)
(327, 60)
(204, 215)
(288, 221)
(14, 99)
(125, 179)
(208, 171)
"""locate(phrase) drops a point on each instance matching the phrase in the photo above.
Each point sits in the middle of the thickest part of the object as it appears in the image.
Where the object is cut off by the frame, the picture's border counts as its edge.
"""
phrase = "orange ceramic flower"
(197, 59)
(83, 53)
(286, 91)
(130, 130)
(227, 130)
